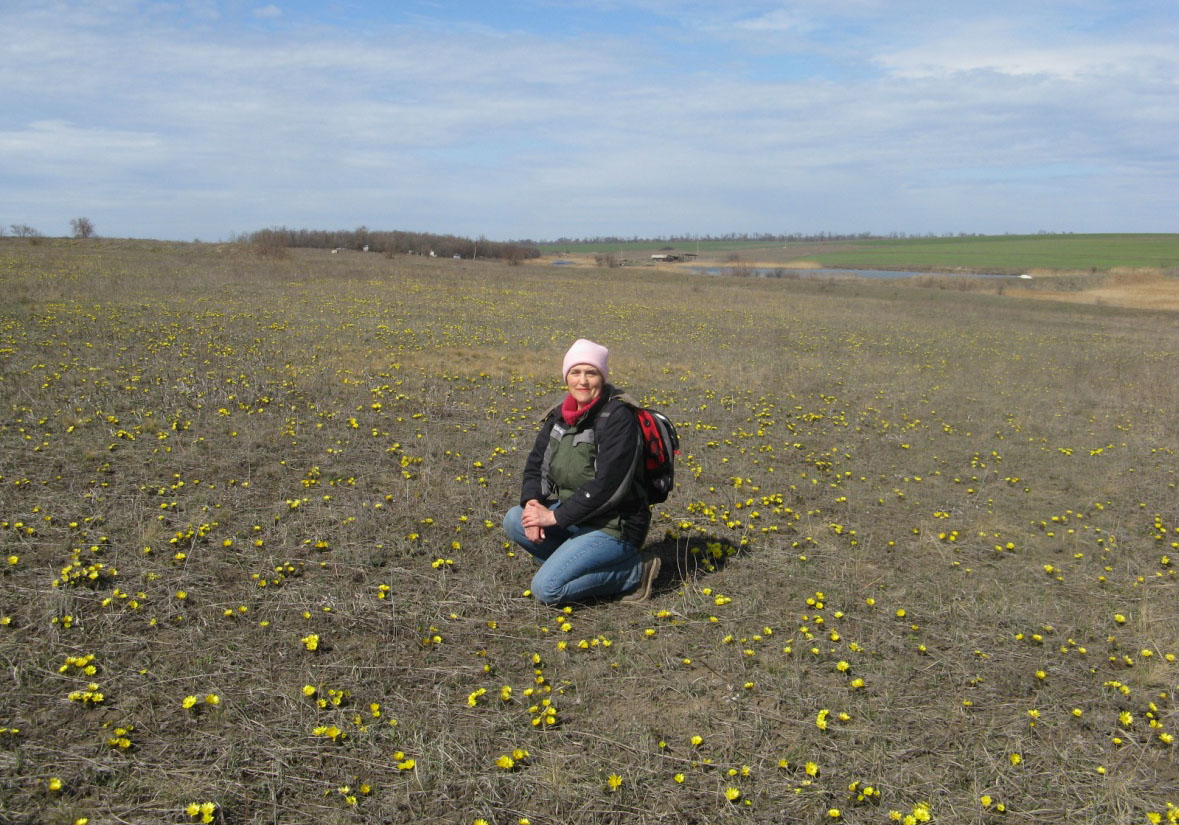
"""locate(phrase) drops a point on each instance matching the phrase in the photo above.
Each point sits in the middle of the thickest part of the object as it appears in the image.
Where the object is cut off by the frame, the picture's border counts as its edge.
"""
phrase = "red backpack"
(658, 447)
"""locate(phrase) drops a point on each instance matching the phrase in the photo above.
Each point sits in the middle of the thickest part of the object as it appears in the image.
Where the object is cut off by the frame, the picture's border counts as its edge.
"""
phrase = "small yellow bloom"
(188, 702)
(732, 794)
(613, 781)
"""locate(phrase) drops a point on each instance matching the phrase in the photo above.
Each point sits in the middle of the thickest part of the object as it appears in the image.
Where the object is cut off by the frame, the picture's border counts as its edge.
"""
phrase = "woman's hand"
(535, 518)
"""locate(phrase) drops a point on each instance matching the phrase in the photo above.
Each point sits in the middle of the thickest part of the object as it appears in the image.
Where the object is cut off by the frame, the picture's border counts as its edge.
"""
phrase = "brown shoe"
(646, 580)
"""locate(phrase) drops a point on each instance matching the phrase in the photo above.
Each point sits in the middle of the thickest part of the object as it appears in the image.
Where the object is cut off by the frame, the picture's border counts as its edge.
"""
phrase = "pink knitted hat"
(584, 351)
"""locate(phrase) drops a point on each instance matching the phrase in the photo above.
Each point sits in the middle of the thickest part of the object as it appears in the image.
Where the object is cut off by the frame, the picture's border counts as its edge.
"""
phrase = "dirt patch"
(1131, 288)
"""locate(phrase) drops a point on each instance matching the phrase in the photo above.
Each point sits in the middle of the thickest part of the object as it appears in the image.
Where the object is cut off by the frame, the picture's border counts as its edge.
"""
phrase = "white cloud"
(268, 12)
(775, 21)
(57, 144)
(474, 130)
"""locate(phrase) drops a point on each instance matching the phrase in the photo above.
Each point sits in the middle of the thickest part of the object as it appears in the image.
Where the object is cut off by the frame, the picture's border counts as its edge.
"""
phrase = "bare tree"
(23, 230)
(83, 227)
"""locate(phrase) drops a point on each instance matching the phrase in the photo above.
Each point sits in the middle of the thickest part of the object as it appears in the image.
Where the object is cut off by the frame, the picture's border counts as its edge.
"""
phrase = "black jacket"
(617, 441)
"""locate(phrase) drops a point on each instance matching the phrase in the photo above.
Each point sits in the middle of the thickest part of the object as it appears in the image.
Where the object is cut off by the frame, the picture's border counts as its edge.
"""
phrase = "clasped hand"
(535, 518)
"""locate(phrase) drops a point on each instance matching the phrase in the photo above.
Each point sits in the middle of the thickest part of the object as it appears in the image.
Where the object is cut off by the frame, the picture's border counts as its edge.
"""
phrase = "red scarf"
(570, 412)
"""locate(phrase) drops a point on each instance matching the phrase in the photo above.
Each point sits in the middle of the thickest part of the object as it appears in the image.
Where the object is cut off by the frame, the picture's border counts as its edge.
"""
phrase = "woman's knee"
(546, 589)
(512, 523)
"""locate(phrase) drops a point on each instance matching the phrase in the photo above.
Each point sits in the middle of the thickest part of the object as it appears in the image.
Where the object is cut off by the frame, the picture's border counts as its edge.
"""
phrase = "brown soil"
(1135, 289)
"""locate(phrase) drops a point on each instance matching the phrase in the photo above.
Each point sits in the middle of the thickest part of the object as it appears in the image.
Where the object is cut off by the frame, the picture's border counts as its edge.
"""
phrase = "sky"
(542, 119)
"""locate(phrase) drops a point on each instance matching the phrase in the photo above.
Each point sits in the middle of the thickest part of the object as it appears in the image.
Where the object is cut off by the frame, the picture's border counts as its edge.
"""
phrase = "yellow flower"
(613, 781)
(308, 690)
(697, 740)
(679, 778)
(188, 702)
(54, 783)
(212, 699)
(506, 762)
(985, 800)
(732, 794)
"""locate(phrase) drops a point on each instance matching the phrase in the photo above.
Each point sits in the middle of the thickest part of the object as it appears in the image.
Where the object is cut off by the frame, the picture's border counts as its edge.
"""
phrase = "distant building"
(671, 257)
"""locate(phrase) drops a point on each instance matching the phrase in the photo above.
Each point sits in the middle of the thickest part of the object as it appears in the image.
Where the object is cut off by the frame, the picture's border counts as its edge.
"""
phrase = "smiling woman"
(583, 512)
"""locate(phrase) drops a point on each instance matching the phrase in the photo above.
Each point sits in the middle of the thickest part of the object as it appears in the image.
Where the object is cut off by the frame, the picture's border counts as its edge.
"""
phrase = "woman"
(583, 513)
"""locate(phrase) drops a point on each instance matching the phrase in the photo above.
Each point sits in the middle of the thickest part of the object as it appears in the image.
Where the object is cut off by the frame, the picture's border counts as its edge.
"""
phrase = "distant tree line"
(81, 227)
(392, 243)
(762, 237)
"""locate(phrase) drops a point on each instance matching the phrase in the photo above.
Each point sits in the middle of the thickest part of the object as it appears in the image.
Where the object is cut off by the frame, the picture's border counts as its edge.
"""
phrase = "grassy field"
(997, 253)
(919, 565)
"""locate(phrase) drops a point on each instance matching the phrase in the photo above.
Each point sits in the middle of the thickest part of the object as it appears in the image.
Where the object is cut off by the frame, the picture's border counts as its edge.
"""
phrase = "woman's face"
(585, 383)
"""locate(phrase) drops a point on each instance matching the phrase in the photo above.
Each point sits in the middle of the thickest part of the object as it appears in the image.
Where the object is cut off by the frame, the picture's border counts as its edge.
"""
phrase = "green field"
(919, 565)
(999, 253)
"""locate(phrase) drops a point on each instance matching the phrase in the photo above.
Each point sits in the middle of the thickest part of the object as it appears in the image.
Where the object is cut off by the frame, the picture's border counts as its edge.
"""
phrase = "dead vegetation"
(920, 562)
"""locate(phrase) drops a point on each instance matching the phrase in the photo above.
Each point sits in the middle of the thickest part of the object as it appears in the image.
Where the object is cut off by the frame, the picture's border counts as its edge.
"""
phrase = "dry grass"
(348, 430)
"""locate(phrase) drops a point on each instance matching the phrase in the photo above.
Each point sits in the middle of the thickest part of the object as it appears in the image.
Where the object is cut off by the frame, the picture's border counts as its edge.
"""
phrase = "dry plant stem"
(209, 459)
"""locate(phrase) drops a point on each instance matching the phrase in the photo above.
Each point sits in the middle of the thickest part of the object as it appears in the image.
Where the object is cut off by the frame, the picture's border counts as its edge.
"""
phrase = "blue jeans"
(576, 564)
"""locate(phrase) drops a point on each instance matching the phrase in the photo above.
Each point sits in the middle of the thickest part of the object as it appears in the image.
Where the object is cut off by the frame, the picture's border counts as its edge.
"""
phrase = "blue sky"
(538, 119)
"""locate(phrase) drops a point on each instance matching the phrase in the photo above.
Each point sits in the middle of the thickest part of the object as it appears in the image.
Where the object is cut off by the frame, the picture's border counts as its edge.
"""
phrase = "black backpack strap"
(632, 473)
